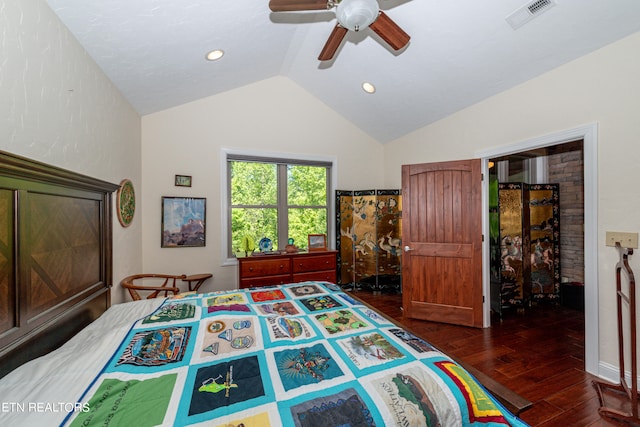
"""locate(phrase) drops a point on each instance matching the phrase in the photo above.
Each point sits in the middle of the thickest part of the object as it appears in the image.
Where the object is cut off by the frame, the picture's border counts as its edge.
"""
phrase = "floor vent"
(529, 11)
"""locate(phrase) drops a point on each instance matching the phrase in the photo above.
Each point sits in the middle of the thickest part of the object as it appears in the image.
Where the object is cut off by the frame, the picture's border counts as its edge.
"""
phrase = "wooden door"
(442, 238)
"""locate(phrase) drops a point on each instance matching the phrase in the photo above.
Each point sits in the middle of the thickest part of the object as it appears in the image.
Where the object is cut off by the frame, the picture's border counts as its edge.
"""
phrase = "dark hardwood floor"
(538, 354)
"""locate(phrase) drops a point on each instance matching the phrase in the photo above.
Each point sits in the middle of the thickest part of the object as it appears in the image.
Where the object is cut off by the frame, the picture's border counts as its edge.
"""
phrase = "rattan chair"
(154, 284)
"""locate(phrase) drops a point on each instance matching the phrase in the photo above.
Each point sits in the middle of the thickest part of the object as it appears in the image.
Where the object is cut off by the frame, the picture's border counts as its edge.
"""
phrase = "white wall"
(603, 88)
(275, 115)
(57, 107)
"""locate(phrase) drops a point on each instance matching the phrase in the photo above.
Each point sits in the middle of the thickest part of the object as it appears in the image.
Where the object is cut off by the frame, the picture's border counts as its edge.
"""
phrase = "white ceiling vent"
(529, 11)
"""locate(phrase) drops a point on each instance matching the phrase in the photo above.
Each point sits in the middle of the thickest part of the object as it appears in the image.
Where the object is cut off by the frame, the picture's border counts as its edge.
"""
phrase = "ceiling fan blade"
(389, 31)
(295, 5)
(333, 43)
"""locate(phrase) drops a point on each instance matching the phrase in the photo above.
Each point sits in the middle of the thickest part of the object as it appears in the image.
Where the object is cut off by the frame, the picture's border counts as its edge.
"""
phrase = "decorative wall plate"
(126, 202)
(265, 244)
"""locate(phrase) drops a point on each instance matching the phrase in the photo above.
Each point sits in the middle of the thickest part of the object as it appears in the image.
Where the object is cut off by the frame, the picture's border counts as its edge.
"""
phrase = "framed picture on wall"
(317, 242)
(183, 181)
(183, 222)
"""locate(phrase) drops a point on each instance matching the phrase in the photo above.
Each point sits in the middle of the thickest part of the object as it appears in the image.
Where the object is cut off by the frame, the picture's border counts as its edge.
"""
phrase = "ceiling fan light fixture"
(214, 55)
(357, 14)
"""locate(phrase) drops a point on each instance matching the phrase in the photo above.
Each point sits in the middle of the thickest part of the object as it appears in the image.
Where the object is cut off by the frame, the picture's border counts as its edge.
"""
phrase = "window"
(275, 198)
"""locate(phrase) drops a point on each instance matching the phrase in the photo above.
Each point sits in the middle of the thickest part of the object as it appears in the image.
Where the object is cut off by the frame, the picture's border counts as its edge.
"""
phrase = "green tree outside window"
(278, 200)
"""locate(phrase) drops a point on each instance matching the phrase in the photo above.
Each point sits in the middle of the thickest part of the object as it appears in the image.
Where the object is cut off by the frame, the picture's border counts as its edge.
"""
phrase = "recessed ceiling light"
(215, 55)
(368, 87)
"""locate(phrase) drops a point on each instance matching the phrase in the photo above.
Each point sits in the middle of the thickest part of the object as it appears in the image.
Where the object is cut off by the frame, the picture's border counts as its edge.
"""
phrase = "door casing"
(589, 134)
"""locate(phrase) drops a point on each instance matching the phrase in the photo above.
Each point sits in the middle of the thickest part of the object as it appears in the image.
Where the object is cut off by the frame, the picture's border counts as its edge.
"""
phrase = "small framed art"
(183, 222)
(183, 180)
(317, 242)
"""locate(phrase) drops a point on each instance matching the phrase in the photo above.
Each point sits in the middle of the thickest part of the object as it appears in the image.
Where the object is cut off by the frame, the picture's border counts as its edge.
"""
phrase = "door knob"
(407, 248)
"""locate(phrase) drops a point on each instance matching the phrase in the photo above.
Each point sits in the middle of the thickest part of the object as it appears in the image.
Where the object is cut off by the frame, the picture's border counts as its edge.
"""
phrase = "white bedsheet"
(75, 364)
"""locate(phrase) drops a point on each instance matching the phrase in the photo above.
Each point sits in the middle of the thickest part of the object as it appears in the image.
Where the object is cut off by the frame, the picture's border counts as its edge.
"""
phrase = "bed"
(302, 354)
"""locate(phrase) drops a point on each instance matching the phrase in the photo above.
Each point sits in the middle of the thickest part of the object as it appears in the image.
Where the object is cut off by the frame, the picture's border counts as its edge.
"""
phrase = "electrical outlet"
(627, 240)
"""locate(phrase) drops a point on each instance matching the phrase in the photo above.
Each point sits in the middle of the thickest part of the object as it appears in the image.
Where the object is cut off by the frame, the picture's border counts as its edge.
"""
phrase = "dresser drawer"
(257, 282)
(314, 263)
(316, 276)
(264, 267)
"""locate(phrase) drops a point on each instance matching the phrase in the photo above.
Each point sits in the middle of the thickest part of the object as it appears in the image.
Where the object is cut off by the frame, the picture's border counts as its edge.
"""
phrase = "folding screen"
(368, 240)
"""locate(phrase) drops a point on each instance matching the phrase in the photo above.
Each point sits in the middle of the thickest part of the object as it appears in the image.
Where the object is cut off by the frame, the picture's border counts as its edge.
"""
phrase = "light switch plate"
(627, 240)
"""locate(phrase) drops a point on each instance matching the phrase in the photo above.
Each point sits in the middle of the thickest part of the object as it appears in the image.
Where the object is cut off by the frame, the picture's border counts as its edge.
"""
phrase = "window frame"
(227, 154)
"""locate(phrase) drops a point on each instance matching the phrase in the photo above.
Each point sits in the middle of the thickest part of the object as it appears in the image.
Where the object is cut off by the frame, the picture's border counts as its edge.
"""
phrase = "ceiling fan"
(352, 15)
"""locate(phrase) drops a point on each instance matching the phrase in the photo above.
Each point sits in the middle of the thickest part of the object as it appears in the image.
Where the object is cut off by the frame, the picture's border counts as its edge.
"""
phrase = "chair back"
(153, 283)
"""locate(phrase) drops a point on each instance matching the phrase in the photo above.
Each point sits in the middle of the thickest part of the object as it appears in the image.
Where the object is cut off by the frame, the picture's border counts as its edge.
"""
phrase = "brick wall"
(567, 169)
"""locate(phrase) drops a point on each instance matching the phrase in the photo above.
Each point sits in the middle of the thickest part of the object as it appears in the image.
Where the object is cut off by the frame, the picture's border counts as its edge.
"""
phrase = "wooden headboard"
(55, 256)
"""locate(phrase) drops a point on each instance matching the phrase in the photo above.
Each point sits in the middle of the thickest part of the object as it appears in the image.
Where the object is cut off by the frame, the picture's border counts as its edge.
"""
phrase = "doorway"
(537, 241)
(588, 134)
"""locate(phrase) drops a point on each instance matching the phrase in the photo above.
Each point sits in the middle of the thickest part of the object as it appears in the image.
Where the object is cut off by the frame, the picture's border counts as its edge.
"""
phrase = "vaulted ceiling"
(461, 51)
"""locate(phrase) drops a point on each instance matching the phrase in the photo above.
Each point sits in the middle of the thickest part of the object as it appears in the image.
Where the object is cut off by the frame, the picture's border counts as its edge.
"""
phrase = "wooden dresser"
(264, 270)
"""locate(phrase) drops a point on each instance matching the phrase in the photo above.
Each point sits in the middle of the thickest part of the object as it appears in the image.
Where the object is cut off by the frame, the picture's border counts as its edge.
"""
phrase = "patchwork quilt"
(304, 354)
